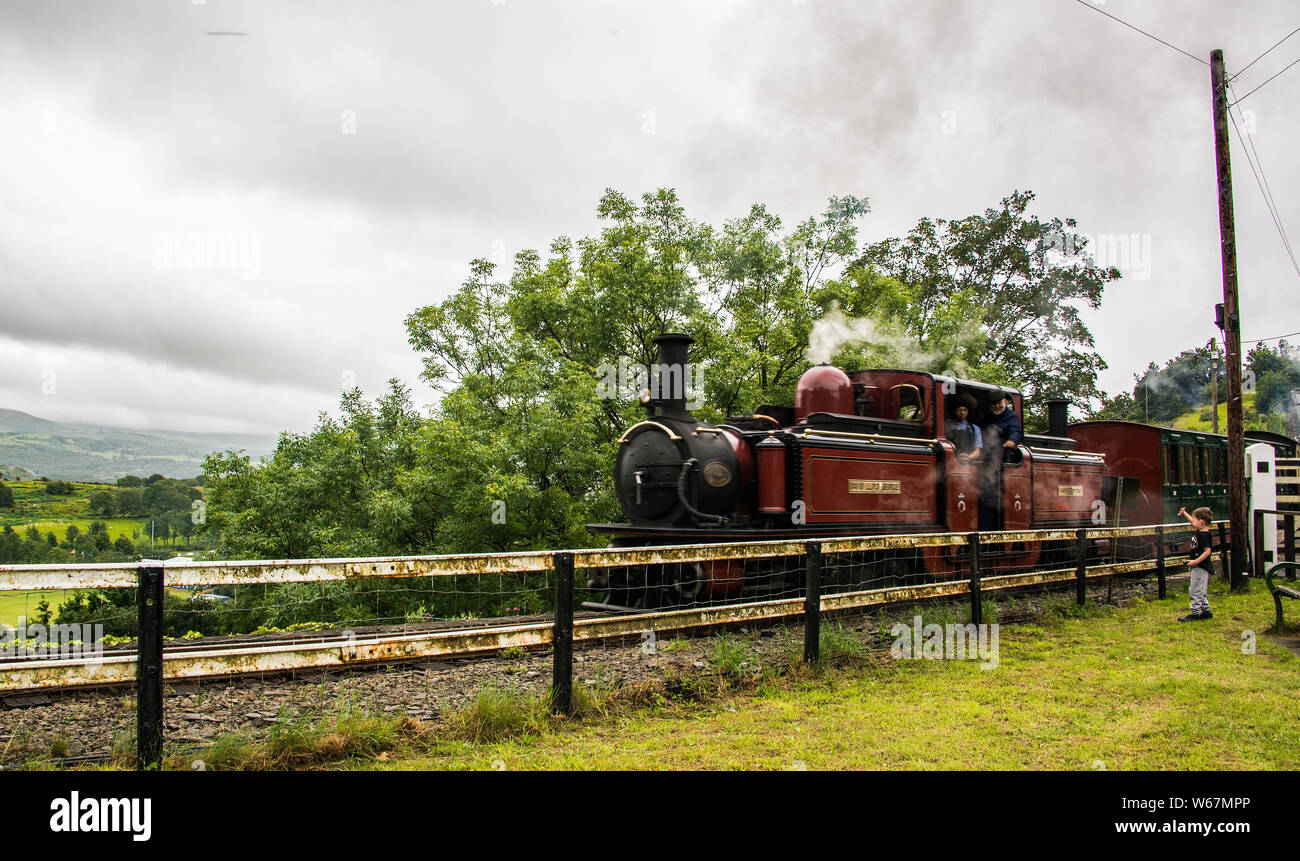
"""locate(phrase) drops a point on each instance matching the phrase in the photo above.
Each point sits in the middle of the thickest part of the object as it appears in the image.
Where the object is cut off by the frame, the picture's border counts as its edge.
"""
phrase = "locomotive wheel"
(682, 584)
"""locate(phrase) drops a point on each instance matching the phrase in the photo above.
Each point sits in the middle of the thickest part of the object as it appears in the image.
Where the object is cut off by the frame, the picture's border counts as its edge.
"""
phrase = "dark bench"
(1280, 592)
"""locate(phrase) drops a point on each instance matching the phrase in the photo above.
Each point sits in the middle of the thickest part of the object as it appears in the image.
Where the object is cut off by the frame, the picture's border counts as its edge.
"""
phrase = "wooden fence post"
(976, 602)
(148, 667)
(812, 603)
(562, 636)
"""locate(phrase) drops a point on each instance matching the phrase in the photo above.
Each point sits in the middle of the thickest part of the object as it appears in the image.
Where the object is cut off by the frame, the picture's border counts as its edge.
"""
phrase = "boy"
(1199, 561)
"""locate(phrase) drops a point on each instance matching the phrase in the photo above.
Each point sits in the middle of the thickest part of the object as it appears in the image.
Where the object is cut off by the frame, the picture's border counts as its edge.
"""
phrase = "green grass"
(1192, 420)
(1124, 689)
(16, 604)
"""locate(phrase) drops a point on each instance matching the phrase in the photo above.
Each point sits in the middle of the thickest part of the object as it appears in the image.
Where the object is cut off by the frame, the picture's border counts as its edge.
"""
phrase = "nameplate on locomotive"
(859, 485)
(1069, 490)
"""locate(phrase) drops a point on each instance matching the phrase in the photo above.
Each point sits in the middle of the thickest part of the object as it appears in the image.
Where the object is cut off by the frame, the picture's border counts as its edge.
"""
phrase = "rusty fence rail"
(1082, 556)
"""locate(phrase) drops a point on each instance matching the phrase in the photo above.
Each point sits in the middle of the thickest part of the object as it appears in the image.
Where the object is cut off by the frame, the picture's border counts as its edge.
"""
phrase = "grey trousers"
(1198, 589)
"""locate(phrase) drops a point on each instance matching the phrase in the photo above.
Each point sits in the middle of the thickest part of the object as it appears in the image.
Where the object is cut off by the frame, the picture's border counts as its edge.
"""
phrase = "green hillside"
(1200, 419)
(92, 453)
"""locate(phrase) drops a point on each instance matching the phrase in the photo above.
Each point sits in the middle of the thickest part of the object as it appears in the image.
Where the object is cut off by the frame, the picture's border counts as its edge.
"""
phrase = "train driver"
(1004, 431)
(1004, 435)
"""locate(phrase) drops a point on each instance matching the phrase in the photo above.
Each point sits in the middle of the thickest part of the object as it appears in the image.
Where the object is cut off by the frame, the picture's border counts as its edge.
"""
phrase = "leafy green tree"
(103, 503)
(1277, 372)
(130, 501)
(85, 546)
(72, 533)
(6, 496)
(130, 481)
(124, 546)
(1018, 283)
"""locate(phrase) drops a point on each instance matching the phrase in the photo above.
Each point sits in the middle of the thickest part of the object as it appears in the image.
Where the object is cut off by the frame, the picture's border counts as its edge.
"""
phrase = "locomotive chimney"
(669, 378)
(1057, 416)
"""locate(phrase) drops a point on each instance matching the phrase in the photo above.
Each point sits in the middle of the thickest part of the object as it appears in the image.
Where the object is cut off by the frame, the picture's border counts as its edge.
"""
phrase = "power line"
(1143, 32)
(1261, 86)
(1263, 55)
(1275, 338)
(1252, 158)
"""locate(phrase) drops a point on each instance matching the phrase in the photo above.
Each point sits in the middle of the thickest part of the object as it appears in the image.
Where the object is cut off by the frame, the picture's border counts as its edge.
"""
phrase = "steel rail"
(336, 652)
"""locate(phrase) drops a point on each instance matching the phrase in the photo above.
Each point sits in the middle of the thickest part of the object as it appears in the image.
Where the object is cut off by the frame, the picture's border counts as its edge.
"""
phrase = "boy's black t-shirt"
(1200, 542)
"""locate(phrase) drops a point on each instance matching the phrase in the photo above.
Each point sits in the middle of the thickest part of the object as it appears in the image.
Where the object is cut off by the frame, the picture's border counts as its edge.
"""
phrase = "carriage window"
(1187, 464)
(1171, 463)
(908, 405)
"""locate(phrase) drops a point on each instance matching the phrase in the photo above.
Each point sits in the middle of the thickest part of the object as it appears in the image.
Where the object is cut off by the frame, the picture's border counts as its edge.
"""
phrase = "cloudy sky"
(343, 161)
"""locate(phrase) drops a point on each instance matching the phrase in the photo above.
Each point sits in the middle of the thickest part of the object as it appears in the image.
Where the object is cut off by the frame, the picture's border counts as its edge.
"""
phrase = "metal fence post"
(812, 603)
(1160, 560)
(976, 602)
(1290, 544)
(562, 636)
(1223, 551)
(1081, 566)
(1257, 568)
(148, 667)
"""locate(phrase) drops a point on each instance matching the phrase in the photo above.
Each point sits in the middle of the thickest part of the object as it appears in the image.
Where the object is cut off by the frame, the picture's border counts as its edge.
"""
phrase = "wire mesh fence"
(338, 612)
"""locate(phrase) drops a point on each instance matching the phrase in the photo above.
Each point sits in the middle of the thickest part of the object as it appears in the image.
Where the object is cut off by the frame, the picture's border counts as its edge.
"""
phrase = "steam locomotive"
(861, 453)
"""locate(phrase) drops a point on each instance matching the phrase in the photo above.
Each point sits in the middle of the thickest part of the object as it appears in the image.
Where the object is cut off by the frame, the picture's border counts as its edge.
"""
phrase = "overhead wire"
(1274, 338)
(1261, 180)
(1263, 55)
(1143, 32)
(1261, 86)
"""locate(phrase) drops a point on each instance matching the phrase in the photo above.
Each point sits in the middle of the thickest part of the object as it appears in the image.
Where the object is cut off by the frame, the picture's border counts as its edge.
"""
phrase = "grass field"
(1130, 689)
(117, 526)
(53, 513)
(14, 605)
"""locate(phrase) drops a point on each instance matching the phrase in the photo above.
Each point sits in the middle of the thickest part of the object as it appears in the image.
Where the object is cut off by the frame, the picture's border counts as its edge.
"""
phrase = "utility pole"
(1231, 329)
(1214, 384)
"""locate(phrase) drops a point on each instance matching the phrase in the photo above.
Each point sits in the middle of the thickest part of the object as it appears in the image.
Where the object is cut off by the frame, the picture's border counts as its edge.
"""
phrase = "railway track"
(370, 647)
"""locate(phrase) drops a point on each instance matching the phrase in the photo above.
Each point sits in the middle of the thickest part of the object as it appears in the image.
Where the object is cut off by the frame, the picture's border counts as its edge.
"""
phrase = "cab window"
(907, 402)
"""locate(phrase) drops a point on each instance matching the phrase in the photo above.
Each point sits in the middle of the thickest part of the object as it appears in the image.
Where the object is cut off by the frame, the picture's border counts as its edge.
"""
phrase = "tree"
(124, 546)
(130, 502)
(130, 481)
(1277, 372)
(519, 451)
(6, 496)
(103, 503)
(72, 533)
(1019, 283)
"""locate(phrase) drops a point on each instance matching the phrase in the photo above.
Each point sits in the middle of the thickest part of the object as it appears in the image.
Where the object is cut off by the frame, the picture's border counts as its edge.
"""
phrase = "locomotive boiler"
(861, 452)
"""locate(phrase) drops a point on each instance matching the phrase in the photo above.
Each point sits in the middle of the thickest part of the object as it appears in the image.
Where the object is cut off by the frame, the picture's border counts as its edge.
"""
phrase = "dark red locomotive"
(863, 452)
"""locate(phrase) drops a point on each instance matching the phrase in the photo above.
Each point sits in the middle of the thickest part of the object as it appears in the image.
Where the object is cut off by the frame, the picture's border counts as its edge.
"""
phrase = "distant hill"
(15, 421)
(93, 453)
